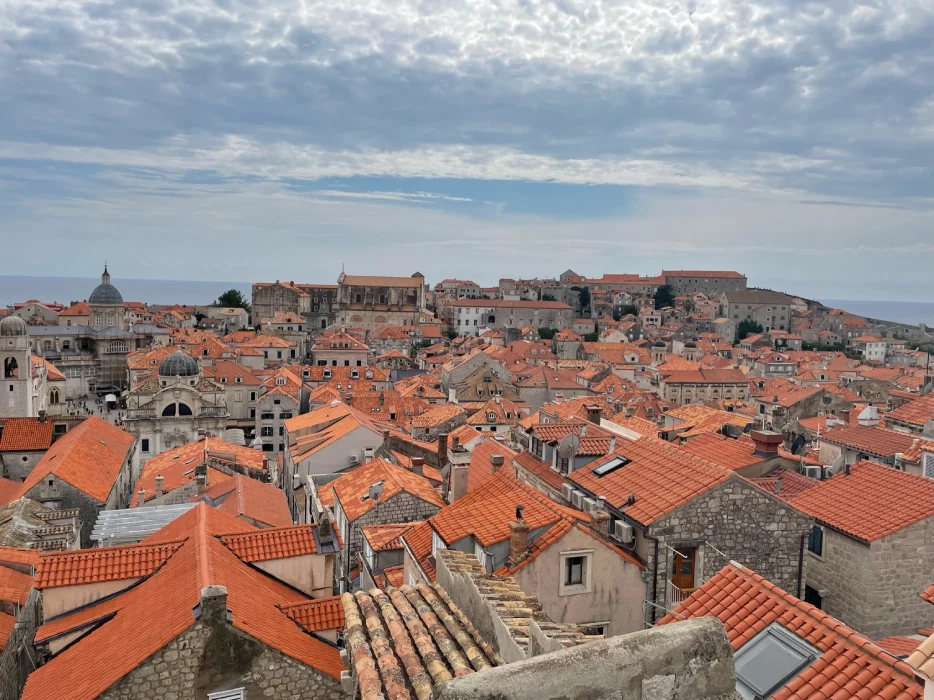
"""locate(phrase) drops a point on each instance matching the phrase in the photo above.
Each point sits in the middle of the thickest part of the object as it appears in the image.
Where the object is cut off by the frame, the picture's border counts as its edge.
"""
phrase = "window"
(266, 431)
(436, 543)
(358, 298)
(816, 541)
(813, 596)
(223, 380)
(252, 396)
(252, 413)
(235, 694)
(281, 447)
(575, 572)
(281, 431)
(284, 415)
(267, 415)
(769, 660)
(145, 444)
(277, 401)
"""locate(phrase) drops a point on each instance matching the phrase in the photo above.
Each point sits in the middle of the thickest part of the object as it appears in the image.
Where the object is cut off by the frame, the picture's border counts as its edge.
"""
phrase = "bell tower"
(16, 398)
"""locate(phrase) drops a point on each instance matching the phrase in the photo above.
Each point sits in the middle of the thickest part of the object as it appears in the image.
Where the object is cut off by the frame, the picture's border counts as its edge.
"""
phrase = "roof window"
(769, 660)
(611, 466)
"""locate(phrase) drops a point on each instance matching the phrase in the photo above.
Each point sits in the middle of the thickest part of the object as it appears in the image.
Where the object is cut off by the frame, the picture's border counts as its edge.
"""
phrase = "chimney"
(594, 413)
(455, 443)
(766, 443)
(141, 498)
(458, 481)
(160, 480)
(518, 538)
(612, 443)
(845, 415)
(442, 450)
(325, 531)
(42, 416)
(496, 461)
(201, 480)
(213, 607)
(600, 521)
(418, 466)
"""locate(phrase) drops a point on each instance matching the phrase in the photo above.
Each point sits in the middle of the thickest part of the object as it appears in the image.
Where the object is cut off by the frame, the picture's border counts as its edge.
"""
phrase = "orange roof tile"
(850, 666)
(14, 585)
(439, 413)
(876, 441)
(351, 488)
(7, 623)
(93, 442)
(272, 543)
(418, 540)
(384, 538)
(102, 564)
(530, 463)
(870, 502)
(661, 476)
(18, 555)
(244, 497)
(643, 427)
(317, 615)
(722, 451)
(899, 646)
(481, 466)
(916, 413)
(25, 434)
(793, 483)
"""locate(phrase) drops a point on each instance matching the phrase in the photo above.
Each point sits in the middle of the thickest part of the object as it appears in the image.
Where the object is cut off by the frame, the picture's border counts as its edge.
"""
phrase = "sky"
(285, 139)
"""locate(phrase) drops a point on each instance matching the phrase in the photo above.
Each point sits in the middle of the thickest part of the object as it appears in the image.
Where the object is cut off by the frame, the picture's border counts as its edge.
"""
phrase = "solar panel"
(611, 466)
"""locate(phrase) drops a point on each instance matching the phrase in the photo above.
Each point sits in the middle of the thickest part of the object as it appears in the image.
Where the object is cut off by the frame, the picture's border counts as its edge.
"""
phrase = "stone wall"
(689, 660)
(745, 524)
(67, 497)
(17, 465)
(19, 658)
(212, 655)
(875, 588)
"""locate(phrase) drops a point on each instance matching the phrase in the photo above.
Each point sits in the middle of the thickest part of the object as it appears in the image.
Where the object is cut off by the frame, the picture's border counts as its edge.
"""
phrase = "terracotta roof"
(486, 512)
(245, 497)
(25, 434)
(913, 453)
(705, 376)
(723, 451)
(52, 373)
(730, 274)
(899, 646)
(872, 501)
(877, 441)
(535, 466)
(418, 540)
(272, 543)
(385, 538)
(481, 467)
(18, 555)
(317, 615)
(353, 486)
(661, 476)
(594, 441)
(916, 413)
(699, 419)
(439, 413)
(102, 564)
(7, 623)
(921, 660)
(92, 442)
(130, 631)
(793, 483)
(379, 281)
(849, 666)
(507, 304)
(14, 585)
(392, 576)
(337, 342)
(79, 308)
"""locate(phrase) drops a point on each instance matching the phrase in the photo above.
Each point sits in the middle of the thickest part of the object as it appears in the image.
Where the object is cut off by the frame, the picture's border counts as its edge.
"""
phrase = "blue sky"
(244, 140)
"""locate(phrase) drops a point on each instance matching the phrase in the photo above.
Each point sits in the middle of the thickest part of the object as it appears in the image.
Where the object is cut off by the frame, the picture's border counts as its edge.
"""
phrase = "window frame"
(565, 586)
(819, 551)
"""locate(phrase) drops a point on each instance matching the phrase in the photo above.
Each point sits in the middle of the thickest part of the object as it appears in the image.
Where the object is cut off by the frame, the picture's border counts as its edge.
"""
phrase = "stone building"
(105, 305)
(20, 616)
(771, 310)
(471, 316)
(175, 407)
(21, 389)
(23, 442)
(316, 303)
(339, 350)
(94, 467)
(709, 282)
(205, 612)
(280, 399)
(242, 386)
(369, 303)
(685, 518)
(682, 387)
(375, 493)
(871, 549)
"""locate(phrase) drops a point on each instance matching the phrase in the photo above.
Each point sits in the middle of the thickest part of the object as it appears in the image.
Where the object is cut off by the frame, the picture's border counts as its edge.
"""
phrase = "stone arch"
(54, 396)
(10, 368)
(169, 410)
(184, 409)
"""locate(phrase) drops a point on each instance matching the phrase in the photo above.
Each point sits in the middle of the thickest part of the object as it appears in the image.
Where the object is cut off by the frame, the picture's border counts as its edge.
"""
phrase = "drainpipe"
(801, 565)
(654, 576)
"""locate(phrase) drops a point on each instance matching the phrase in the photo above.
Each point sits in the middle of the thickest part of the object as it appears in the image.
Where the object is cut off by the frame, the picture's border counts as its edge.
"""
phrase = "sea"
(14, 288)
(909, 312)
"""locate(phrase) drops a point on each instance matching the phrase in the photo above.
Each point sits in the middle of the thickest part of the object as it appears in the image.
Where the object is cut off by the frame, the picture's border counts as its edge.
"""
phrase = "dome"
(690, 344)
(659, 344)
(12, 325)
(178, 364)
(105, 293)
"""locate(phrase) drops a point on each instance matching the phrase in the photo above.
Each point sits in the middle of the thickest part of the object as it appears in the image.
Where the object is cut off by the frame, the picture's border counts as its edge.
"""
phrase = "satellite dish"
(376, 490)
(569, 446)
(797, 445)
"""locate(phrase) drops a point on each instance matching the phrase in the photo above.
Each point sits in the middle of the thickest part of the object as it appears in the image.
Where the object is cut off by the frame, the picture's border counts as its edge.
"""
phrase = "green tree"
(591, 337)
(199, 317)
(689, 306)
(664, 297)
(232, 298)
(747, 328)
(624, 310)
(546, 333)
(548, 297)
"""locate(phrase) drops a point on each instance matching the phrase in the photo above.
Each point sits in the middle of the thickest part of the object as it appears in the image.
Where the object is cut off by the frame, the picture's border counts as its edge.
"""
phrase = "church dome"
(12, 325)
(105, 293)
(690, 344)
(659, 344)
(178, 364)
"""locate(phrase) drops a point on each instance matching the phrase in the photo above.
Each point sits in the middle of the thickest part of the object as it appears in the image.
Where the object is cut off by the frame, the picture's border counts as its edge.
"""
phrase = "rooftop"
(25, 435)
(916, 412)
(877, 441)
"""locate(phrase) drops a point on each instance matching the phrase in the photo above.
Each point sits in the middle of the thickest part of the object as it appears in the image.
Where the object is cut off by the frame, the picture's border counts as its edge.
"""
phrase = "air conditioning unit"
(566, 491)
(623, 532)
(355, 459)
(813, 472)
(589, 505)
(577, 499)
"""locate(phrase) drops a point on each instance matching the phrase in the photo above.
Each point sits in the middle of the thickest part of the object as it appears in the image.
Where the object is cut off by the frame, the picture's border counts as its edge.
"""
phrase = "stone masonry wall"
(212, 655)
(746, 524)
(875, 588)
(69, 497)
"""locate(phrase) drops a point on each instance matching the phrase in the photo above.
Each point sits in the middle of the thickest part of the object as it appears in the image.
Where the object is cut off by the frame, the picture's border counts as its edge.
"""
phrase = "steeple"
(105, 278)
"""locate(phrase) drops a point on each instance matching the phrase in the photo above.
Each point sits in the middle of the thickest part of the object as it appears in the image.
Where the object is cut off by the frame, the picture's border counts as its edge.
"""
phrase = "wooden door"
(683, 570)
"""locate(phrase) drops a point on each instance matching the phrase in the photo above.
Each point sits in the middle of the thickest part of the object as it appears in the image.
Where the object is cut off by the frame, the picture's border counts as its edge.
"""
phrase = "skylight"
(611, 466)
(768, 661)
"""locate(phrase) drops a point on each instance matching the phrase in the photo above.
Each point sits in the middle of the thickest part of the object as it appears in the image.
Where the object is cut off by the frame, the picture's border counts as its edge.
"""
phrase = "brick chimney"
(766, 442)
(442, 450)
(160, 480)
(458, 481)
(325, 531)
(213, 607)
(418, 466)
(201, 481)
(496, 461)
(845, 415)
(594, 413)
(455, 443)
(141, 498)
(518, 538)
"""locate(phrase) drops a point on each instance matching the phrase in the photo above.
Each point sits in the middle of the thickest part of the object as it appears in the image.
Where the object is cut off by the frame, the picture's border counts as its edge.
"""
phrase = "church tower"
(15, 370)
(105, 305)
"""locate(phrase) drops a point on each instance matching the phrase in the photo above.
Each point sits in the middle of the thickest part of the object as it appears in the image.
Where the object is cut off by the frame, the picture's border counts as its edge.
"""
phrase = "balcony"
(675, 596)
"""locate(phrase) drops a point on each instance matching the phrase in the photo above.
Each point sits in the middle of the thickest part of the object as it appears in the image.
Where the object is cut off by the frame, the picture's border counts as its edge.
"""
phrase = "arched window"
(327, 374)
(169, 410)
(280, 381)
(324, 323)
(10, 368)
(46, 344)
(53, 396)
(184, 409)
(491, 319)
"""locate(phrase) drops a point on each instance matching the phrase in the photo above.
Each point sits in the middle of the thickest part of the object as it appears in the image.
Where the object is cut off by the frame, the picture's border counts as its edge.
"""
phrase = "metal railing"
(676, 596)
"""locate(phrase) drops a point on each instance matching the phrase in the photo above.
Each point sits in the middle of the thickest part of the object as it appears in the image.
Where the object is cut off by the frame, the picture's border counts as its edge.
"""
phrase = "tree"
(452, 334)
(232, 298)
(548, 297)
(664, 297)
(199, 317)
(689, 306)
(624, 310)
(546, 333)
(591, 337)
(747, 328)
